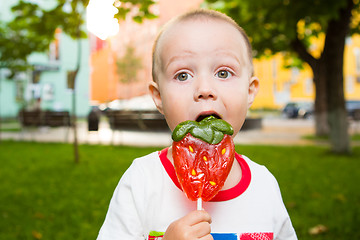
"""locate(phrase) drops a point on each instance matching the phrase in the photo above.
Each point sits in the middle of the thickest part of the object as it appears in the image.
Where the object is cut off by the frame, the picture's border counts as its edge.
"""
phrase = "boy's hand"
(195, 225)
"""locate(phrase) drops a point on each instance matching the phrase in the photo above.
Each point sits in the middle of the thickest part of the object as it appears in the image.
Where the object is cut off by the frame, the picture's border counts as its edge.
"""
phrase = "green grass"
(317, 187)
(10, 130)
(45, 195)
(353, 137)
(10, 126)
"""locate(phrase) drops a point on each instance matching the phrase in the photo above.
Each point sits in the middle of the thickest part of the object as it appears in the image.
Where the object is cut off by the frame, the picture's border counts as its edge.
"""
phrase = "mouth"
(205, 115)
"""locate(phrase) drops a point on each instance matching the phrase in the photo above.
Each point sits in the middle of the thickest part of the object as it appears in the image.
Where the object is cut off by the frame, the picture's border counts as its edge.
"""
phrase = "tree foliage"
(290, 27)
(141, 9)
(32, 28)
(274, 24)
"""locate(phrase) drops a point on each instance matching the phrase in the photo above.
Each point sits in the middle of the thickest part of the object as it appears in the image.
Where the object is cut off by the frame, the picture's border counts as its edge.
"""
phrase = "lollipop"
(203, 154)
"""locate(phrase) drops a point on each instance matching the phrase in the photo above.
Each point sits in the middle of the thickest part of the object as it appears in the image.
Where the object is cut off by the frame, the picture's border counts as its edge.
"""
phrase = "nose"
(204, 90)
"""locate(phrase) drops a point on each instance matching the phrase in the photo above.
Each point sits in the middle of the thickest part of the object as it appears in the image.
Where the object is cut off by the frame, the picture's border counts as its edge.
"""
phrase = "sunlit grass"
(353, 137)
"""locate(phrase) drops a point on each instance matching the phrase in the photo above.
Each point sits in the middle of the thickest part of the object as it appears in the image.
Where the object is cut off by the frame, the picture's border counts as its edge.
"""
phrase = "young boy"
(202, 65)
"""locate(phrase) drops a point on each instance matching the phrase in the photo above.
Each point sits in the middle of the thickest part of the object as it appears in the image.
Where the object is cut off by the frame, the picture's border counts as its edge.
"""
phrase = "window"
(350, 84)
(357, 64)
(309, 86)
(274, 69)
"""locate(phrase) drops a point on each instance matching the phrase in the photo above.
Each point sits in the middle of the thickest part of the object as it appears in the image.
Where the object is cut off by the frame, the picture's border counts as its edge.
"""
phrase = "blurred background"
(74, 73)
(71, 58)
(116, 59)
(78, 57)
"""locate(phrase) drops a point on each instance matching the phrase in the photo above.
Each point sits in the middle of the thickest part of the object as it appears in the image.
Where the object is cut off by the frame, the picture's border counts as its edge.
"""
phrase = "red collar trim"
(223, 195)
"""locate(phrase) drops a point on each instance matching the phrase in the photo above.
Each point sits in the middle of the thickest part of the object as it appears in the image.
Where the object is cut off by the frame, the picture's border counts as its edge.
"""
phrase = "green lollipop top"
(210, 130)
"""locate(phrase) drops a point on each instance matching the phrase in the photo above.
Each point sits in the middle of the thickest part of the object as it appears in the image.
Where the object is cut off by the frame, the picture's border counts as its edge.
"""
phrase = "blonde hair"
(198, 14)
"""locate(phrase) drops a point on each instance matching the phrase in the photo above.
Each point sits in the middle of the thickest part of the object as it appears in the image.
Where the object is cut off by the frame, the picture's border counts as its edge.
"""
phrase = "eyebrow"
(184, 54)
(232, 55)
(187, 53)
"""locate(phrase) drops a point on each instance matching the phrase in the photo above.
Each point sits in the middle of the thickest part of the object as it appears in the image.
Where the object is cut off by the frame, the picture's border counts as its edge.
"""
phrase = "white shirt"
(148, 198)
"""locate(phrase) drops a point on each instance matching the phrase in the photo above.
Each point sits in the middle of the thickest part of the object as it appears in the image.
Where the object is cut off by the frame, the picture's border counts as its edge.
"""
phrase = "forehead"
(194, 34)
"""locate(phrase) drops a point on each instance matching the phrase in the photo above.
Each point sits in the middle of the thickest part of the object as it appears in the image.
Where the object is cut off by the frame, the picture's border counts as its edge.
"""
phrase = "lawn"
(44, 195)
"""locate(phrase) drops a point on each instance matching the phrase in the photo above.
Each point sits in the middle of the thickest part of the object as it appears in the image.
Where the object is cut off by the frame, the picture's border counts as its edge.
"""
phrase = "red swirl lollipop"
(203, 154)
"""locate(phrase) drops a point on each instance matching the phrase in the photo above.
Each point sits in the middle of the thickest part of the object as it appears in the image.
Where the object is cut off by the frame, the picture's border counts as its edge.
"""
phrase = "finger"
(197, 216)
(201, 229)
(207, 237)
(204, 216)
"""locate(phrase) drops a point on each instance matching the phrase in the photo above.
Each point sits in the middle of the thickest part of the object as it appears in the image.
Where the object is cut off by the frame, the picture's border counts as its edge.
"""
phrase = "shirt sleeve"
(122, 220)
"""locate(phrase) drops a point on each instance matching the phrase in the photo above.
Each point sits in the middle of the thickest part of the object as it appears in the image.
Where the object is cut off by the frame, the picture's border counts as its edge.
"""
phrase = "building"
(106, 84)
(46, 87)
(100, 82)
(277, 84)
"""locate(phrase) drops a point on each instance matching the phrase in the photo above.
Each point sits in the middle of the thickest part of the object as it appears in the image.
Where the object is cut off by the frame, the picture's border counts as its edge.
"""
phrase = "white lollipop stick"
(199, 204)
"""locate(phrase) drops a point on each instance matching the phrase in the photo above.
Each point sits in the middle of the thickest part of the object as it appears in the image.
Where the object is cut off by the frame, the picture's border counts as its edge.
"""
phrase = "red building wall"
(105, 84)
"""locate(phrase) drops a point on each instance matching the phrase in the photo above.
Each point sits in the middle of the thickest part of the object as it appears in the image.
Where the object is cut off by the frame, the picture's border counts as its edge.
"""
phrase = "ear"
(253, 90)
(155, 94)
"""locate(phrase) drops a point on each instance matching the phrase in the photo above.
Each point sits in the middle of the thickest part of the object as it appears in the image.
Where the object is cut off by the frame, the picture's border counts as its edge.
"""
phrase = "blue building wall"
(51, 89)
(8, 104)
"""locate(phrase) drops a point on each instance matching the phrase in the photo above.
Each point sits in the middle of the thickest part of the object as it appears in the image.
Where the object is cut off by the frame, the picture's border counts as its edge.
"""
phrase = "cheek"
(175, 109)
(237, 106)
(236, 97)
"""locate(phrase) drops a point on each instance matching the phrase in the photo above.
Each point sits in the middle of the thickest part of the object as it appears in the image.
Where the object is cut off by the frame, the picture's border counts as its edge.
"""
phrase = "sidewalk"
(278, 131)
(274, 131)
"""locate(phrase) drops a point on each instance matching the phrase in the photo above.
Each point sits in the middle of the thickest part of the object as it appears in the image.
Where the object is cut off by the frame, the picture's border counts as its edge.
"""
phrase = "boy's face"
(204, 71)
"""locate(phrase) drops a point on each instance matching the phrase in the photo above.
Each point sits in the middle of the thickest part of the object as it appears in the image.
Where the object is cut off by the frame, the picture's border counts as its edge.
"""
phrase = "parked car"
(353, 109)
(298, 110)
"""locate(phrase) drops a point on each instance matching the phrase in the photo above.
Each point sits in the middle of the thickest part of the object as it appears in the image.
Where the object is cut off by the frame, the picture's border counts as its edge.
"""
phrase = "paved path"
(275, 131)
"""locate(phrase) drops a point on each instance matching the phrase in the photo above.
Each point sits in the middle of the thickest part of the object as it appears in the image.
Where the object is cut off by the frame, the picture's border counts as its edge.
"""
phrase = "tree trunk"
(0, 126)
(74, 117)
(74, 122)
(321, 123)
(333, 57)
(0, 104)
(318, 68)
(0, 117)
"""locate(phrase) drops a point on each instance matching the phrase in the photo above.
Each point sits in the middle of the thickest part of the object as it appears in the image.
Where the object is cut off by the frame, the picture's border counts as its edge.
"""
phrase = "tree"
(23, 36)
(289, 26)
(128, 66)
(33, 29)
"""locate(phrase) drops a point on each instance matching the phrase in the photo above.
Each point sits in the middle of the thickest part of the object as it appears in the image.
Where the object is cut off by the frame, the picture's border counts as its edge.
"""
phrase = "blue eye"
(183, 76)
(223, 74)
